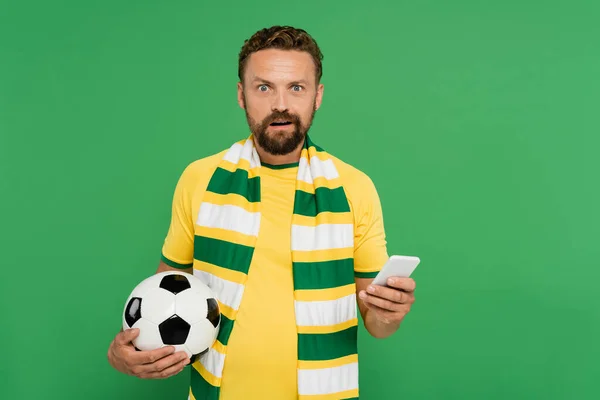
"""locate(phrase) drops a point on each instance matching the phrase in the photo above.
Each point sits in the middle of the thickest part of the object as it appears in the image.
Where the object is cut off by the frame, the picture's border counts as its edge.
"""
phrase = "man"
(287, 235)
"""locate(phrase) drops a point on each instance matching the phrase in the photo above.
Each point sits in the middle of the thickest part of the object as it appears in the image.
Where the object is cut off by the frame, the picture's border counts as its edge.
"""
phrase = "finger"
(386, 293)
(127, 336)
(406, 284)
(150, 356)
(162, 364)
(167, 372)
(381, 303)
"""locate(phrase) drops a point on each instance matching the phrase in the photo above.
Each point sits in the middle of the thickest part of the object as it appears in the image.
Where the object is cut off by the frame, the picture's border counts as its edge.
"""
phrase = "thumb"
(127, 336)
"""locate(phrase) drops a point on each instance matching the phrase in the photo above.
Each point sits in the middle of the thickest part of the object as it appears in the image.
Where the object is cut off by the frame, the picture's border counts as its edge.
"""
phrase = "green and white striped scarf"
(322, 245)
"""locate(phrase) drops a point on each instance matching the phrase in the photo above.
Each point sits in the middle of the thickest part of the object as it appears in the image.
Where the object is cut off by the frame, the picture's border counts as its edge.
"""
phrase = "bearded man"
(288, 236)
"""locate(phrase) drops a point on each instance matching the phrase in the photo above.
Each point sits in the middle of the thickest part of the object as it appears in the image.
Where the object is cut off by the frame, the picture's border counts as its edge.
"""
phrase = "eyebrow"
(259, 79)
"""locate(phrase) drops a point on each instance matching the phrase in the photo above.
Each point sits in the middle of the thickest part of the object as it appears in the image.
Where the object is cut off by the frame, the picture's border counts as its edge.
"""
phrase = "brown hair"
(284, 38)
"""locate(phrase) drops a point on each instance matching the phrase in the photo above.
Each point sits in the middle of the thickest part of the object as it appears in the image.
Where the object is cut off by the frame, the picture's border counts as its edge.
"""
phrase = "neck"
(269, 158)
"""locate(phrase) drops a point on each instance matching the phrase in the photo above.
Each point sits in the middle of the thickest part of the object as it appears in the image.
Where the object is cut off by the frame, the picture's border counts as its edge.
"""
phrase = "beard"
(280, 143)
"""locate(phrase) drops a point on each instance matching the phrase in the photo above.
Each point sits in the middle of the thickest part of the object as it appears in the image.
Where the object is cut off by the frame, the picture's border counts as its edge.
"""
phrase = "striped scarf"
(322, 245)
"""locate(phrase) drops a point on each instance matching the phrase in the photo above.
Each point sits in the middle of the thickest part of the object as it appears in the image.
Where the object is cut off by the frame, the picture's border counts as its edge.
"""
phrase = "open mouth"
(280, 123)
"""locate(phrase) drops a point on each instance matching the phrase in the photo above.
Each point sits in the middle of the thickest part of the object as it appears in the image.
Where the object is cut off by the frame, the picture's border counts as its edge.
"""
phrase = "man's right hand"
(155, 364)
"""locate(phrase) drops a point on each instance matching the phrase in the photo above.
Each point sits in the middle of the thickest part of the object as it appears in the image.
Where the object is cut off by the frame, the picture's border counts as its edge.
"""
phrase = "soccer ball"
(173, 309)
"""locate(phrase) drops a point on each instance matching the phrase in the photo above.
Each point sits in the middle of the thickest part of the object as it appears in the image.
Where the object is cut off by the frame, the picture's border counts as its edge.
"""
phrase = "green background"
(478, 121)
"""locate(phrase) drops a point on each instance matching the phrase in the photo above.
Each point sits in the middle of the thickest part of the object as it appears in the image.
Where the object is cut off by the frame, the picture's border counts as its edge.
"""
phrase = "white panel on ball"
(143, 287)
(202, 336)
(158, 305)
(149, 337)
(191, 306)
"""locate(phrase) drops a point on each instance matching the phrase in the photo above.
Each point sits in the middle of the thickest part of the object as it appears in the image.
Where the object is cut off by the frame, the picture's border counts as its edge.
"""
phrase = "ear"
(240, 95)
(319, 98)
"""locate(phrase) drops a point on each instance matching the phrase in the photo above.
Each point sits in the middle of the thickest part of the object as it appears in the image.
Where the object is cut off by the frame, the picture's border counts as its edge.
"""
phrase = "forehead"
(280, 66)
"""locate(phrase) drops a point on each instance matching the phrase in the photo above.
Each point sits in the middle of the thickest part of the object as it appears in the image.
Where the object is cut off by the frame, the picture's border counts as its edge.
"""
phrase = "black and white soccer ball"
(173, 309)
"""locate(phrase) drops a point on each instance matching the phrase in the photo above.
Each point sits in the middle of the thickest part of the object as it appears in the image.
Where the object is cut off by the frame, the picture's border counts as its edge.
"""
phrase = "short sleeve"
(370, 245)
(178, 247)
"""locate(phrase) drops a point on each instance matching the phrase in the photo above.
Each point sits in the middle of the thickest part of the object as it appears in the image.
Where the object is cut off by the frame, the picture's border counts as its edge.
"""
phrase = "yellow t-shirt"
(262, 348)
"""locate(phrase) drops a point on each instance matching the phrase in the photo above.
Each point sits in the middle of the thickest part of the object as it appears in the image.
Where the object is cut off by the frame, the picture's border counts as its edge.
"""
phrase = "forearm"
(378, 328)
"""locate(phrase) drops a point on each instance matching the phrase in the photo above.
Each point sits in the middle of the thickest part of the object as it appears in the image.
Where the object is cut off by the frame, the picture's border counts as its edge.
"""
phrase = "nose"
(279, 102)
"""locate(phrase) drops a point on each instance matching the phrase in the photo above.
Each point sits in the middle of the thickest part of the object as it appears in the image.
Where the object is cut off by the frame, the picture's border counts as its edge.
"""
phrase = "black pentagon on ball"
(133, 311)
(174, 330)
(213, 315)
(175, 283)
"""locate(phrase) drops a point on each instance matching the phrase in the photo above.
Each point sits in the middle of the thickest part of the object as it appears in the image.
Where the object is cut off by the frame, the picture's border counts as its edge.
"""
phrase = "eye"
(297, 88)
(263, 88)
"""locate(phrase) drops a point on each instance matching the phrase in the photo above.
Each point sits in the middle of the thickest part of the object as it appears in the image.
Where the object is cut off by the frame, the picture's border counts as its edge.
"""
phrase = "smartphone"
(402, 266)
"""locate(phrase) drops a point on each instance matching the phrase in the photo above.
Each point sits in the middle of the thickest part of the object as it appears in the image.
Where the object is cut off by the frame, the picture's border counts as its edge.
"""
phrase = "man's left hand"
(390, 304)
